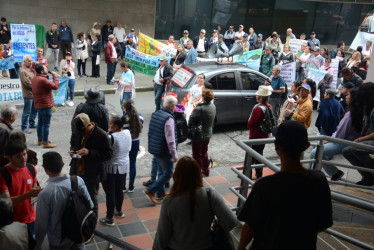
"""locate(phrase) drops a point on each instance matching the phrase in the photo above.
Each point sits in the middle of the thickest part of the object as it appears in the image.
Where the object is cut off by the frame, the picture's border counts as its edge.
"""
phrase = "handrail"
(351, 240)
(117, 242)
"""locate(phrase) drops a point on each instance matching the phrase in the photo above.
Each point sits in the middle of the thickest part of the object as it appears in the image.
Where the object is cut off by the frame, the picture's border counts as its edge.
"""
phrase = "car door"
(250, 81)
(227, 97)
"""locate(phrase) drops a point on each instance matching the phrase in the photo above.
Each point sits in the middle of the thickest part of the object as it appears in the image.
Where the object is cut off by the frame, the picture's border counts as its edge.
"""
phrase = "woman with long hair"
(195, 95)
(286, 56)
(349, 128)
(179, 58)
(186, 216)
(126, 84)
(134, 123)
(95, 49)
(354, 60)
(81, 48)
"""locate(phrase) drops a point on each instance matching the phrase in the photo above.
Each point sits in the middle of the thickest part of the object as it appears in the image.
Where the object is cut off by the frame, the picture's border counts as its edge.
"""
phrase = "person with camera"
(67, 70)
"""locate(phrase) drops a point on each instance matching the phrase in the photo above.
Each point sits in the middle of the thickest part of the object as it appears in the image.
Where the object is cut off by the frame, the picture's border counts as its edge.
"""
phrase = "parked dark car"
(234, 87)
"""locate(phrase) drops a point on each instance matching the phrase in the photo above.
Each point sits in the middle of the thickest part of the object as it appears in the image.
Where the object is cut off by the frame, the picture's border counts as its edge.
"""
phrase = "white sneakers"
(69, 103)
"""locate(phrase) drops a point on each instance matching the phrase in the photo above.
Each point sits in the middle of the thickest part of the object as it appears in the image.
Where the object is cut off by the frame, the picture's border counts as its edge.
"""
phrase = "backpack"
(181, 123)
(78, 220)
(8, 178)
(268, 122)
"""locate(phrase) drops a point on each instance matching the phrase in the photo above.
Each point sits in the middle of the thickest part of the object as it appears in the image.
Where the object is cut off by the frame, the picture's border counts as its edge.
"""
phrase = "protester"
(95, 49)
(95, 30)
(120, 34)
(29, 112)
(191, 56)
(14, 73)
(302, 201)
(274, 45)
(115, 169)
(325, 84)
(129, 43)
(111, 58)
(317, 56)
(67, 38)
(94, 107)
(244, 44)
(286, 56)
(303, 59)
(184, 39)
(8, 117)
(221, 45)
(53, 38)
(171, 43)
(267, 62)
(342, 63)
(252, 38)
(81, 48)
(350, 76)
(67, 70)
(204, 113)
(239, 34)
(40, 58)
(136, 39)
(213, 39)
(201, 44)
(304, 109)
(327, 67)
(21, 183)
(229, 37)
(354, 60)
(13, 234)
(278, 88)
(255, 119)
(4, 72)
(43, 102)
(325, 53)
(313, 41)
(302, 36)
(126, 84)
(289, 36)
(195, 96)
(134, 123)
(191, 209)
(259, 44)
(162, 144)
(340, 47)
(89, 149)
(52, 201)
(349, 128)
(163, 74)
(367, 51)
(362, 69)
(5, 35)
(290, 102)
(106, 31)
(179, 58)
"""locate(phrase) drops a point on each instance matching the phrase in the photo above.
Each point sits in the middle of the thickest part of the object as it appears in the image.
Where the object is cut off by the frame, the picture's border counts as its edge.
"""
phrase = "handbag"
(220, 238)
(195, 131)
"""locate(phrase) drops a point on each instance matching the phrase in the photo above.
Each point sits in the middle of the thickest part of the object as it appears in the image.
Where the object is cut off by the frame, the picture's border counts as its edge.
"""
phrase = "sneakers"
(161, 196)
(337, 176)
(150, 196)
(147, 183)
(32, 126)
(120, 214)
(366, 182)
(124, 190)
(106, 222)
(69, 103)
(48, 145)
(26, 131)
(131, 190)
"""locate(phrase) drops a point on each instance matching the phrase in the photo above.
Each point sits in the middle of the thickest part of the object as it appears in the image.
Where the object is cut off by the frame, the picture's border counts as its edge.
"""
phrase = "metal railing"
(117, 242)
(244, 173)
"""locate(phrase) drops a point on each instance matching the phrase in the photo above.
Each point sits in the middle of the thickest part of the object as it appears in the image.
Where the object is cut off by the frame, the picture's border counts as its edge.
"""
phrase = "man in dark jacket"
(66, 38)
(106, 30)
(349, 76)
(4, 32)
(8, 116)
(53, 38)
(201, 44)
(94, 107)
(163, 74)
(162, 144)
(89, 148)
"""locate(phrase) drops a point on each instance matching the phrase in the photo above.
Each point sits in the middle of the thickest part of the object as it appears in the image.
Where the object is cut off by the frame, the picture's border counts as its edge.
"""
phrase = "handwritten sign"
(288, 72)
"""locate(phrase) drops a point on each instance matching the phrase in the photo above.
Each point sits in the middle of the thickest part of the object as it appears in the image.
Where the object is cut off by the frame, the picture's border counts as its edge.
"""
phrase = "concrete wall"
(81, 14)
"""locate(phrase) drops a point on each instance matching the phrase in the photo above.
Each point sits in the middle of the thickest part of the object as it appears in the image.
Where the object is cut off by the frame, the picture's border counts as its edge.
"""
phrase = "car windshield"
(181, 78)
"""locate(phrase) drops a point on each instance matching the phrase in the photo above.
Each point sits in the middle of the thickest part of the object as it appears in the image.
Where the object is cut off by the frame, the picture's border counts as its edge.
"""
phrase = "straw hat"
(264, 90)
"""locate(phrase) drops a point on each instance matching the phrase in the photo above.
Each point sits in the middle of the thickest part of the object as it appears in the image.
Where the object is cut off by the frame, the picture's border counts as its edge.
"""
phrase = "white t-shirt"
(200, 46)
(159, 72)
(71, 70)
(304, 57)
(119, 34)
(366, 52)
(239, 34)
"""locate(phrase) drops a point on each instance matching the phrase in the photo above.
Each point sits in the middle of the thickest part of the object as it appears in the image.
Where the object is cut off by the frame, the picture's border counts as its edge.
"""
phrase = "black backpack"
(8, 178)
(181, 127)
(268, 122)
(79, 220)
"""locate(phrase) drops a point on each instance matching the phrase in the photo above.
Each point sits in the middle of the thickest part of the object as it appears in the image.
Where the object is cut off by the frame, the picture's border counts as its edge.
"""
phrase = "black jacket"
(97, 112)
(105, 32)
(4, 38)
(96, 48)
(99, 151)
(167, 73)
(196, 41)
(53, 38)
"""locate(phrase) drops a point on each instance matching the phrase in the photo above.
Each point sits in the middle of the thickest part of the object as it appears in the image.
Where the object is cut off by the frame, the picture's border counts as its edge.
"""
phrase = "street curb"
(113, 90)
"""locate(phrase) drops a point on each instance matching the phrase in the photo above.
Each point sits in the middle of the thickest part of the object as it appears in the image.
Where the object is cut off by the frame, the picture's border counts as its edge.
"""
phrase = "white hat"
(264, 90)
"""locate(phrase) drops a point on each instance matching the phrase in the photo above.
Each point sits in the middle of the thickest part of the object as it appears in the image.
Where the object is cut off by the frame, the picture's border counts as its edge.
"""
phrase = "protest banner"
(6, 63)
(295, 45)
(361, 39)
(11, 91)
(251, 59)
(151, 46)
(142, 63)
(288, 72)
(23, 41)
(181, 77)
(316, 75)
(335, 66)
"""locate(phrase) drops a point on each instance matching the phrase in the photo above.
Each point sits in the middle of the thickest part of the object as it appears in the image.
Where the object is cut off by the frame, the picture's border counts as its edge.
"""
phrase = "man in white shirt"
(120, 33)
(200, 43)
(136, 38)
(239, 34)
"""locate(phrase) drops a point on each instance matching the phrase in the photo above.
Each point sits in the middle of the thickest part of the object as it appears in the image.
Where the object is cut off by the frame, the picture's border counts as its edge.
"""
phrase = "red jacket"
(42, 91)
(254, 123)
(108, 53)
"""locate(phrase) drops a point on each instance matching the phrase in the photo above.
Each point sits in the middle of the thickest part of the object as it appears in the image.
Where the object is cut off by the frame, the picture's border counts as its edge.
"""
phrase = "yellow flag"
(151, 46)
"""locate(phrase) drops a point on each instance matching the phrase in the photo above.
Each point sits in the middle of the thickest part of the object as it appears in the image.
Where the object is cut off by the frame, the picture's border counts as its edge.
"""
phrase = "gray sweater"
(175, 229)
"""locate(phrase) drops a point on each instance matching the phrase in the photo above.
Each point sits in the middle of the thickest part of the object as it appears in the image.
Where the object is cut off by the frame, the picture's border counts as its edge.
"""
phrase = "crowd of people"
(103, 148)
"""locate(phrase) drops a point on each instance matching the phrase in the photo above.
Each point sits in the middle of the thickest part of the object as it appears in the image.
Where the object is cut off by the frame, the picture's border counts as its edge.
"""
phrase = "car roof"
(212, 67)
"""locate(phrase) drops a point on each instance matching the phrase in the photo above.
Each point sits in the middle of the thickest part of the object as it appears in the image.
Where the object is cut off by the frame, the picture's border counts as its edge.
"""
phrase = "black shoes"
(337, 176)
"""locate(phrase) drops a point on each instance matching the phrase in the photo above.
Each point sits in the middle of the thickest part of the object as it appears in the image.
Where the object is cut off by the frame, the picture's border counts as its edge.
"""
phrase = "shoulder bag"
(195, 130)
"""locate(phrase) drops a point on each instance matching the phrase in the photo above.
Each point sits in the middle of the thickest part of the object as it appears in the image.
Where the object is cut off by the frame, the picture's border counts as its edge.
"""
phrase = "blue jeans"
(122, 44)
(165, 165)
(154, 170)
(104, 44)
(111, 67)
(44, 121)
(159, 90)
(126, 95)
(329, 150)
(14, 73)
(71, 85)
(133, 154)
(29, 113)
(31, 227)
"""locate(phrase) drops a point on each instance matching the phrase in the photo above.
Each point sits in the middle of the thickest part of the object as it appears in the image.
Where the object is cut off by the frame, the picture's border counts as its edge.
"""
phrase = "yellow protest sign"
(151, 46)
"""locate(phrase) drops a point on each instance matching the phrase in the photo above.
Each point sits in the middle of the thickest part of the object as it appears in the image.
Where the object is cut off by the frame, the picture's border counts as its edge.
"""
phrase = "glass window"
(251, 81)
(225, 81)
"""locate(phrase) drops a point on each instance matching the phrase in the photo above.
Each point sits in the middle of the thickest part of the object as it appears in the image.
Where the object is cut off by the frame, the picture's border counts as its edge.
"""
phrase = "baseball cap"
(291, 135)
(302, 34)
(267, 47)
(220, 36)
(215, 31)
(172, 94)
(348, 85)
(185, 32)
(202, 31)
(260, 35)
(306, 86)
(82, 121)
(312, 33)
(231, 27)
(68, 53)
(163, 58)
(132, 30)
(130, 35)
(241, 26)
(245, 35)
(316, 49)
